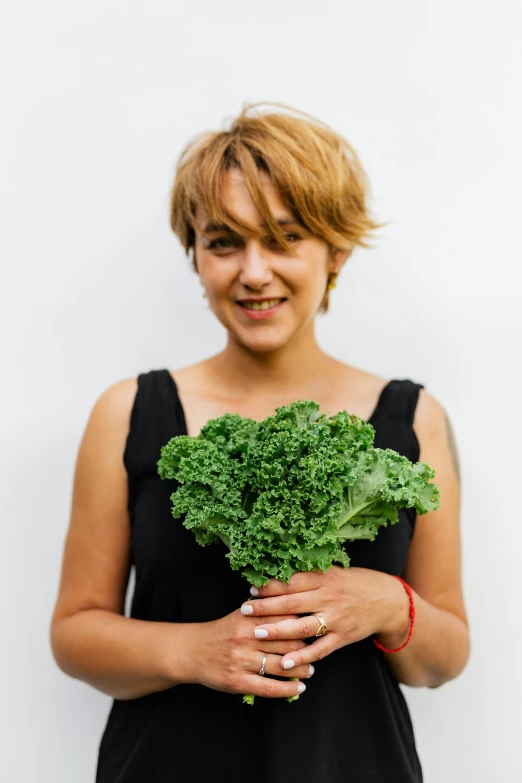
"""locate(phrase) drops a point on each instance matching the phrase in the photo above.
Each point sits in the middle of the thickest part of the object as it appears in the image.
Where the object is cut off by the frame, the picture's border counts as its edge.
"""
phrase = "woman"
(270, 210)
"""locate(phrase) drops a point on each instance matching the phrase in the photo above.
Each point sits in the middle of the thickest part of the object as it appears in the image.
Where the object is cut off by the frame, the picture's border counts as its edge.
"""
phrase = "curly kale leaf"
(381, 482)
(212, 476)
(284, 494)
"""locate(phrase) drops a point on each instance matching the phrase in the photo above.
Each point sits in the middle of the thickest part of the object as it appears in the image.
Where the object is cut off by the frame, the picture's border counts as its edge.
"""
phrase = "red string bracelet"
(412, 620)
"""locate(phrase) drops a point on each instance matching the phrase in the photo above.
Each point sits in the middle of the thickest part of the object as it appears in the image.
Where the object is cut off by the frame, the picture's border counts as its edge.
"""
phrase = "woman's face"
(239, 273)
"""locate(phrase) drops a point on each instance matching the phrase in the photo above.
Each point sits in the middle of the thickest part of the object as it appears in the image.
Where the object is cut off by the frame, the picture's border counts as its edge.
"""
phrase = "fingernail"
(301, 687)
(260, 633)
(247, 609)
(312, 670)
(254, 591)
(289, 664)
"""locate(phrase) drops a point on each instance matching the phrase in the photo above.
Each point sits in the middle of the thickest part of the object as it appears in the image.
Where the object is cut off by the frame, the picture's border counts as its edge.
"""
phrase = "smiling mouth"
(266, 304)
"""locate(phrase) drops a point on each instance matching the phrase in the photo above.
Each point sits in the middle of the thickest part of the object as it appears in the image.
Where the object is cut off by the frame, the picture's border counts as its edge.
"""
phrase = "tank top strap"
(394, 415)
(400, 399)
(156, 417)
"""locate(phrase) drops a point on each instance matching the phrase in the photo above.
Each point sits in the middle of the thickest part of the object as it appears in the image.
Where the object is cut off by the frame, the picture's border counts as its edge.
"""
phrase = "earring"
(332, 279)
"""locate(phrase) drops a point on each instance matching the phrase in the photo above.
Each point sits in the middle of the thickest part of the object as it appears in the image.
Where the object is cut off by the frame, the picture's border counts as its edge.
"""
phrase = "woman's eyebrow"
(286, 221)
(210, 227)
(290, 221)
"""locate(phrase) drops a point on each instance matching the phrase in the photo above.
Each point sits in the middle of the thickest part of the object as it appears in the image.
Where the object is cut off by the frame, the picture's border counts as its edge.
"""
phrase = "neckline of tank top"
(181, 409)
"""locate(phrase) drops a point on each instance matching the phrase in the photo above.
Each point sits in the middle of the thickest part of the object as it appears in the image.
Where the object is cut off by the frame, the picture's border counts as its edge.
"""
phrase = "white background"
(98, 99)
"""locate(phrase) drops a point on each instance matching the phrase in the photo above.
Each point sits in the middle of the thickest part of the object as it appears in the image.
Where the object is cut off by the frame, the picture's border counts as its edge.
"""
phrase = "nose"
(255, 269)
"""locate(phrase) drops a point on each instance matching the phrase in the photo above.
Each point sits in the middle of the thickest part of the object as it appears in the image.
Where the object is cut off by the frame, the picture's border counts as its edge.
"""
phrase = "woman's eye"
(288, 237)
(223, 243)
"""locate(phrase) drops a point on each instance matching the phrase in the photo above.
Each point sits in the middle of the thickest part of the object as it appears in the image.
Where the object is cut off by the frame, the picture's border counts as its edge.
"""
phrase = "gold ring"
(322, 625)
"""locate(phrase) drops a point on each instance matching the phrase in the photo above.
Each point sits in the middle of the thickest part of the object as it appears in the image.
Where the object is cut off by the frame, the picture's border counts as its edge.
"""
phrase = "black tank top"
(352, 724)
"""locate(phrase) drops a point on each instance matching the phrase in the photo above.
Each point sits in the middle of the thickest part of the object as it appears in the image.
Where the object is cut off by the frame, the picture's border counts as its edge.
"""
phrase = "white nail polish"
(260, 633)
(289, 664)
(254, 591)
(247, 609)
(312, 670)
(301, 687)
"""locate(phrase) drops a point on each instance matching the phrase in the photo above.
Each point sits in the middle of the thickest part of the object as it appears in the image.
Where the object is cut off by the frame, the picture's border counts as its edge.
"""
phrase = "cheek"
(216, 279)
(311, 282)
(311, 270)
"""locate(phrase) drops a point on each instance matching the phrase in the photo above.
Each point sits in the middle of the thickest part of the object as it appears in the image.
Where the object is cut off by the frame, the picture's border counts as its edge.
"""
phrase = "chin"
(260, 340)
(261, 345)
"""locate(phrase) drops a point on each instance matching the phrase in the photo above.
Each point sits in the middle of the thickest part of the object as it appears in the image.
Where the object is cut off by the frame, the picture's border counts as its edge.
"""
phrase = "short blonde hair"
(317, 173)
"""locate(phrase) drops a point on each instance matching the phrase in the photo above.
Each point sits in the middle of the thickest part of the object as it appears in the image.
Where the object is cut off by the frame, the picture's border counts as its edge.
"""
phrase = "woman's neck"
(292, 367)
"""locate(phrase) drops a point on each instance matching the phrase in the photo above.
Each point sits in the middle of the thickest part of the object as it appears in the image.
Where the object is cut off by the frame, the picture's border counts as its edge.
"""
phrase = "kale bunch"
(285, 493)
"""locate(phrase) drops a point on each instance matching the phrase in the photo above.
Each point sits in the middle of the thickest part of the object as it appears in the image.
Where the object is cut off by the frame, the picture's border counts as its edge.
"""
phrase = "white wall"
(98, 99)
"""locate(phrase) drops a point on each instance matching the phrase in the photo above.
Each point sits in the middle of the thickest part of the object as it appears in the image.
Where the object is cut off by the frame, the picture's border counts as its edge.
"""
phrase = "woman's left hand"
(354, 602)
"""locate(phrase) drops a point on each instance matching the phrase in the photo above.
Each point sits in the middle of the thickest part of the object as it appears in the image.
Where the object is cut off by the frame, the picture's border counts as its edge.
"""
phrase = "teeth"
(261, 305)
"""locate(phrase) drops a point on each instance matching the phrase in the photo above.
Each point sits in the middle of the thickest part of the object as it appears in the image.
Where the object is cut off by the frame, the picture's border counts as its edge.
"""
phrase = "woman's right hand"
(225, 655)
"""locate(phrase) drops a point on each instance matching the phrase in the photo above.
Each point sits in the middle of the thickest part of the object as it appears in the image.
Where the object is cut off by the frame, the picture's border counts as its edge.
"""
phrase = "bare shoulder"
(435, 431)
(429, 413)
(107, 426)
(115, 402)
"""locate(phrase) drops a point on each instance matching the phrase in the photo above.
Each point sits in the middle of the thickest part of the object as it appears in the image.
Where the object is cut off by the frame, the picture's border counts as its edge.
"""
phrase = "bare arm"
(360, 602)
(91, 640)
(120, 656)
(440, 645)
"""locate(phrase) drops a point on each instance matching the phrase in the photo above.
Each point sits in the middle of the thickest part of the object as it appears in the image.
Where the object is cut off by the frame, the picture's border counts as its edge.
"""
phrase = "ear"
(338, 257)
